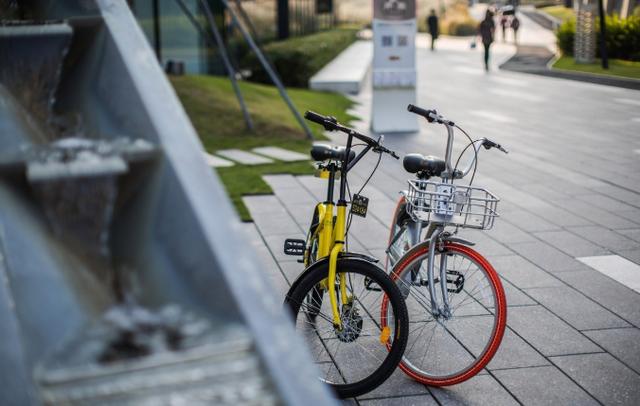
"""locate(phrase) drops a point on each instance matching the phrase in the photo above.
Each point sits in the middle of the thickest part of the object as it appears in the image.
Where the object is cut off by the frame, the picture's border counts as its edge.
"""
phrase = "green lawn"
(215, 113)
(617, 67)
(560, 12)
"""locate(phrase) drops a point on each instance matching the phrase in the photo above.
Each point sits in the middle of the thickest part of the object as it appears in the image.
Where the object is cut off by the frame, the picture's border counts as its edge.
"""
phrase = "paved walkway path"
(570, 189)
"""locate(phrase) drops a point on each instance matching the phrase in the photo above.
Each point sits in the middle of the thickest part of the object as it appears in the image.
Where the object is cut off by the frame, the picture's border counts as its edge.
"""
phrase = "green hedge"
(297, 59)
(463, 28)
(622, 37)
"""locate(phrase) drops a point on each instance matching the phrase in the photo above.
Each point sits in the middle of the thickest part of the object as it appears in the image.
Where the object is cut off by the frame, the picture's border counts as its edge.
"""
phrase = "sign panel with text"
(394, 65)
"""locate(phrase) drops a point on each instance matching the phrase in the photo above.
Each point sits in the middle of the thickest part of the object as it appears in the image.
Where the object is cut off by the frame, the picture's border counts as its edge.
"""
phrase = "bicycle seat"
(428, 165)
(323, 152)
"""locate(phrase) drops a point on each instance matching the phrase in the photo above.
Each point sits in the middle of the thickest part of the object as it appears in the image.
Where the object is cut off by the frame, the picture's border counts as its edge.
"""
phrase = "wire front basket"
(457, 205)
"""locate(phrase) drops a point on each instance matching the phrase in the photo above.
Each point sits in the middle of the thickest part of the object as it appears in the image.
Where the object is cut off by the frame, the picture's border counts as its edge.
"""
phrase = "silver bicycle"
(456, 302)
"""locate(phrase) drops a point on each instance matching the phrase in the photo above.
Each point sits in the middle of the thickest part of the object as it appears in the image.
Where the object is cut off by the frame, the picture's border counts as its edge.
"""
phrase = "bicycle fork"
(333, 265)
(436, 309)
(413, 277)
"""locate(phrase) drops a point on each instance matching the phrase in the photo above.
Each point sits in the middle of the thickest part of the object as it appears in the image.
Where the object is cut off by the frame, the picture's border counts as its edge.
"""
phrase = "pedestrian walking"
(515, 25)
(504, 22)
(434, 30)
(486, 31)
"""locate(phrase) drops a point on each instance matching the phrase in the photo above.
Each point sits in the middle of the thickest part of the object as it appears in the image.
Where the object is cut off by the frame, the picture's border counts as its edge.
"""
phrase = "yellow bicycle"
(355, 345)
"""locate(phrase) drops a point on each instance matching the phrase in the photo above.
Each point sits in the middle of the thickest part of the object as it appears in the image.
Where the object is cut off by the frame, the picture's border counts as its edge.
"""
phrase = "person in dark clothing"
(432, 24)
(515, 25)
(486, 31)
(503, 24)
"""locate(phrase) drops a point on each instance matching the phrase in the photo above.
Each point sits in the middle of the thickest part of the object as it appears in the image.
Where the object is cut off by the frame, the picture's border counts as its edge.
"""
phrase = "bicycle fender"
(351, 256)
(459, 241)
(425, 245)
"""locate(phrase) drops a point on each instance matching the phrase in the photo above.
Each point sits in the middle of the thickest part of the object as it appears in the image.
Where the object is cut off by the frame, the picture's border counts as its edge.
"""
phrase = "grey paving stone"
(522, 273)
(547, 333)
(297, 194)
(420, 400)
(261, 204)
(279, 284)
(528, 221)
(623, 343)
(605, 202)
(291, 269)
(616, 267)
(216, 162)
(543, 386)
(281, 154)
(281, 181)
(576, 309)
(631, 255)
(302, 213)
(243, 157)
(604, 377)
(547, 257)
(253, 235)
(382, 209)
(316, 186)
(507, 233)
(607, 238)
(561, 217)
(479, 390)
(571, 244)
(514, 352)
(632, 214)
(602, 217)
(484, 244)
(613, 295)
(633, 233)
(278, 223)
(371, 233)
(515, 297)
(398, 383)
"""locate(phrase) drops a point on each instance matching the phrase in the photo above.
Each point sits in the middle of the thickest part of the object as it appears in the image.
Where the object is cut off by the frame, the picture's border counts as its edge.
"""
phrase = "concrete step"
(347, 72)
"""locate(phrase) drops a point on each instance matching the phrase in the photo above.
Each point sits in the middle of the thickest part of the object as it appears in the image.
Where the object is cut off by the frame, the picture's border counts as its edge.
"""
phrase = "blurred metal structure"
(585, 39)
(125, 276)
(584, 47)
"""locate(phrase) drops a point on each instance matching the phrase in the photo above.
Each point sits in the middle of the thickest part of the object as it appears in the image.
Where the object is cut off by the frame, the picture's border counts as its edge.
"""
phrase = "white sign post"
(394, 66)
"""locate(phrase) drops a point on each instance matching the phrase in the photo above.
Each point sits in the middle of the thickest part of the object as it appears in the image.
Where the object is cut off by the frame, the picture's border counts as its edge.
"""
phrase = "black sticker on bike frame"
(359, 205)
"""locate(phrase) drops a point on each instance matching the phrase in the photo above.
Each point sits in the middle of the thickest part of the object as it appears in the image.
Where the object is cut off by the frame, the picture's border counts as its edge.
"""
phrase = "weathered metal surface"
(110, 216)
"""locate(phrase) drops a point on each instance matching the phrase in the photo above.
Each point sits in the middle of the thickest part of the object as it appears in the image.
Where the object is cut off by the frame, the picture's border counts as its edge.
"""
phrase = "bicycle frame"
(435, 230)
(332, 237)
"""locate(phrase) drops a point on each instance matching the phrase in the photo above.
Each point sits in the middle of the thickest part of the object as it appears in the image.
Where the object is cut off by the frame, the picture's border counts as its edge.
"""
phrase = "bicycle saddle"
(323, 152)
(428, 165)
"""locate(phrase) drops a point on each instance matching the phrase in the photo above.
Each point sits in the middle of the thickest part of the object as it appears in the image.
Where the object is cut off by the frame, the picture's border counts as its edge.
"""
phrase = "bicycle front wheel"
(362, 354)
(446, 349)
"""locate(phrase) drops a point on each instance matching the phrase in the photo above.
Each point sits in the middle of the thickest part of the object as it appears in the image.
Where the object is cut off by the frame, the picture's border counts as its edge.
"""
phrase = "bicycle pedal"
(294, 246)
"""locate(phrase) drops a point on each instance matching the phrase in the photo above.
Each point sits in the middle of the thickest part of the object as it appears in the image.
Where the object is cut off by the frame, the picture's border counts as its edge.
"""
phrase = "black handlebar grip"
(421, 112)
(315, 117)
(329, 123)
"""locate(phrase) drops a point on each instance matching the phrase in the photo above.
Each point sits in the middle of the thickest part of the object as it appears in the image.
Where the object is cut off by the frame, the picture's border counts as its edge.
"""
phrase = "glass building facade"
(175, 38)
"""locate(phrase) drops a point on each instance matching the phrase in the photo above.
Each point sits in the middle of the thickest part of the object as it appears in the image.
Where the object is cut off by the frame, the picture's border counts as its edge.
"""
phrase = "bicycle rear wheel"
(355, 359)
(443, 350)
(399, 238)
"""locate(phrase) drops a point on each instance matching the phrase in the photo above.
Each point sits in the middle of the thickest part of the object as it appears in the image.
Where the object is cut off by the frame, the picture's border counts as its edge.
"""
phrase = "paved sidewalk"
(570, 188)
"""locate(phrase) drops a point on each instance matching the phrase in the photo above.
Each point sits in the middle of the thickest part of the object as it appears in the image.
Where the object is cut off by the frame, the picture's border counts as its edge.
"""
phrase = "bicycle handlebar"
(331, 124)
(431, 116)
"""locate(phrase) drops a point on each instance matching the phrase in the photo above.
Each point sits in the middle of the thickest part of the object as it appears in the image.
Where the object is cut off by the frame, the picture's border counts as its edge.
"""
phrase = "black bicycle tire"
(399, 309)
